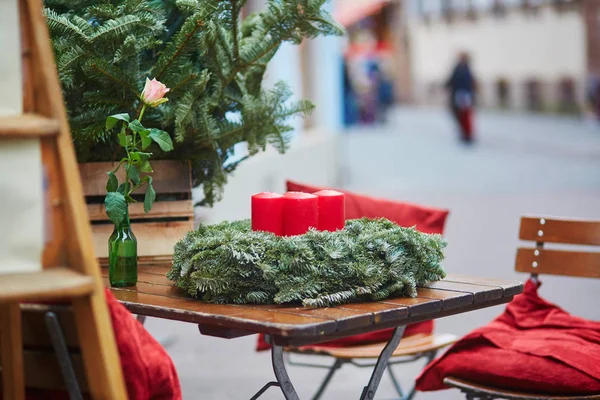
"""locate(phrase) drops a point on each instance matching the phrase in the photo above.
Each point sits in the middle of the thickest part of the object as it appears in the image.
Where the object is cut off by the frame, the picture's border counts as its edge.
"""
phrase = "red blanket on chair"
(534, 346)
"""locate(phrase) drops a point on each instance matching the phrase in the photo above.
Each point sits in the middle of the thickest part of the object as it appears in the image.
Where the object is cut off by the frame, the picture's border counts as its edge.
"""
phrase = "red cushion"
(535, 346)
(148, 370)
(425, 219)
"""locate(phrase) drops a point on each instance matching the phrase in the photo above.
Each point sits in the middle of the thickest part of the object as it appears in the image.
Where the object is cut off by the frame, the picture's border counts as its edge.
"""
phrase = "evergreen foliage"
(212, 60)
(368, 260)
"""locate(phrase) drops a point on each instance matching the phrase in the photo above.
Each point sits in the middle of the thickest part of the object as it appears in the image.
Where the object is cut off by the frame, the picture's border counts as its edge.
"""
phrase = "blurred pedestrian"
(461, 87)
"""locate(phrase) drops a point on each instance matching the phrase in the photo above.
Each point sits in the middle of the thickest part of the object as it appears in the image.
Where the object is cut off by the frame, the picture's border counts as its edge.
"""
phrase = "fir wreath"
(368, 260)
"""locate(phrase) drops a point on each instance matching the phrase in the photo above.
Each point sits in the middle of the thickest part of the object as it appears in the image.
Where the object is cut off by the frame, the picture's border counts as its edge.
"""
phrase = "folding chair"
(539, 260)
(411, 349)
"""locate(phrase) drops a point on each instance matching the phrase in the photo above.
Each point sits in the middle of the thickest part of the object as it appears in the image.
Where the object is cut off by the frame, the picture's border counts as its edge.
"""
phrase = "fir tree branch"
(180, 48)
(235, 15)
(113, 78)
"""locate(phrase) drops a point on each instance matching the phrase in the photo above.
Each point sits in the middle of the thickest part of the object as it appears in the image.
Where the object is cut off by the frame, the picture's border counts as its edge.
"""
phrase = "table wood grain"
(156, 296)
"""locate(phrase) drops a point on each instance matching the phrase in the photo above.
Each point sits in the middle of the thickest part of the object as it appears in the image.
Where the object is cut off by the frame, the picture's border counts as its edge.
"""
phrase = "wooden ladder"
(70, 269)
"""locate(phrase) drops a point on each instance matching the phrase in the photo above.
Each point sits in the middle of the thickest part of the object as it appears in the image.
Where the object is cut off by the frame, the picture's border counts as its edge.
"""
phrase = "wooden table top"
(155, 296)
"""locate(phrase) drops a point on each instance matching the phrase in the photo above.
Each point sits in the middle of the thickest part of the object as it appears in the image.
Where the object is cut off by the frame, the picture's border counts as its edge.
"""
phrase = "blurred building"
(537, 55)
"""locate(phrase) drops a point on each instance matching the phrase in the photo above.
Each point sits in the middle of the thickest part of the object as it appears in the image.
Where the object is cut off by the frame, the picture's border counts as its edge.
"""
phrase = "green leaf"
(149, 197)
(144, 156)
(116, 207)
(146, 140)
(112, 184)
(146, 167)
(121, 189)
(134, 174)
(124, 139)
(113, 119)
(130, 199)
(136, 126)
(162, 138)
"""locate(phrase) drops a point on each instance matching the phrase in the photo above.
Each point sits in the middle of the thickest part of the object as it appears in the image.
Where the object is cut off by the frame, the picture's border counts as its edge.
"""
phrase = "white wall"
(547, 46)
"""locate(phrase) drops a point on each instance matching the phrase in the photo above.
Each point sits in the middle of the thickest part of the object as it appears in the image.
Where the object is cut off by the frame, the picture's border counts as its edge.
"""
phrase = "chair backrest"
(40, 361)
(543, 260)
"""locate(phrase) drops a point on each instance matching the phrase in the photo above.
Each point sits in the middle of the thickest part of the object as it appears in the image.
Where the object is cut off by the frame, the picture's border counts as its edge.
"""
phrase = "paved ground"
(520, 164)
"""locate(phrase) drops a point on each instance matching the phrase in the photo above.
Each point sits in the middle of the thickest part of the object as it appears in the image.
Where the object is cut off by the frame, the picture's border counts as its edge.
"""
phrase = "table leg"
(368, 392)
(281, 374)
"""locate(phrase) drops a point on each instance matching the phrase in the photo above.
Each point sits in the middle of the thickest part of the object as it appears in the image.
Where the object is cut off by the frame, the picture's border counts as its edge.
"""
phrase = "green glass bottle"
(122, 255)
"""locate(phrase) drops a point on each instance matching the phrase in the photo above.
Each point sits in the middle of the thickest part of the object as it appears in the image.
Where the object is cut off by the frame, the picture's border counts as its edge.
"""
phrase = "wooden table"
(291, 325)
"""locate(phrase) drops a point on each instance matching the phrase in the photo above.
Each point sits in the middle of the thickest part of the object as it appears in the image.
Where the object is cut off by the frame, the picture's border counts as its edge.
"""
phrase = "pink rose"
(154, 92)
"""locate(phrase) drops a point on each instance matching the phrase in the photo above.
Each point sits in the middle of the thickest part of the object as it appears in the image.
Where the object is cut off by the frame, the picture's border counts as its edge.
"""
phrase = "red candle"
(300, 212)
(267, 213)
(332, 213)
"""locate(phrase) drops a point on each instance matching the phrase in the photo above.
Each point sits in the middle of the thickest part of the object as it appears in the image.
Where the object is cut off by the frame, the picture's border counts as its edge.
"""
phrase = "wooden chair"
(411, 349)
(32, 341)
(540, 260)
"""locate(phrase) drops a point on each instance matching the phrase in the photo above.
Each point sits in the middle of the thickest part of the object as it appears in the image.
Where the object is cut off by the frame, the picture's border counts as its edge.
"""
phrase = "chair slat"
(497, 393)
(558, 262)
(168, 177)
(554, 230)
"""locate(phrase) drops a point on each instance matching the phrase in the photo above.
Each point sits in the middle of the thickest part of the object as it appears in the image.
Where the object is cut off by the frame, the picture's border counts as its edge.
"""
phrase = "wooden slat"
(558, 262)
(449, 299)
(344, 318)
(509, 394)
(161, 209)
(168, 177)
(154, 239)
(145, 277)
(27, 125)
(381, 312)
(554, 230)
(229, 316)
(509, 288)
(150, 264)
(11, 352)
(416, 306)
(480, 293)
(47, 284)
(409, 346)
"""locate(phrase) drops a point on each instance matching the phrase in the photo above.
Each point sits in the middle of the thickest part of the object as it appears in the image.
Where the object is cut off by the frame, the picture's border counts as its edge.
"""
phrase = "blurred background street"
(520, 164)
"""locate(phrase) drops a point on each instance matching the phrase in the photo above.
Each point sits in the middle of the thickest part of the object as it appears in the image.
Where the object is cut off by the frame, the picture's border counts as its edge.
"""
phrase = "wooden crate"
(157, 232)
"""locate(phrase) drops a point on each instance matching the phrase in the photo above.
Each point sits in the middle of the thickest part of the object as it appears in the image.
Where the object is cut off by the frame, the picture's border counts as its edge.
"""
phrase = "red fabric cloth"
(148, 370)
(424, 219)
(534, 346)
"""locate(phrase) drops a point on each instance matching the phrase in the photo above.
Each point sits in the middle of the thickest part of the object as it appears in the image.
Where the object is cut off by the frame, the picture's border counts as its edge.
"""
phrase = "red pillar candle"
(267, 213)
(300, 212)
(332, 212)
